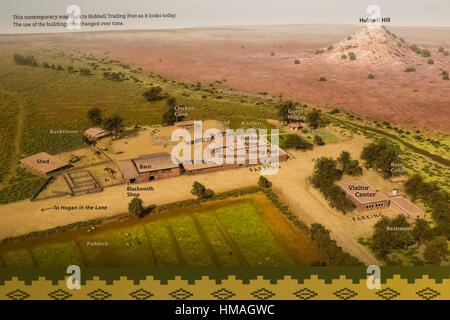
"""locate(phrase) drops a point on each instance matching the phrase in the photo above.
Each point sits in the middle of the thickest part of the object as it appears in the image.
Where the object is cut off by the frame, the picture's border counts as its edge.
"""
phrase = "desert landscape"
(263, 60)
(362, 86)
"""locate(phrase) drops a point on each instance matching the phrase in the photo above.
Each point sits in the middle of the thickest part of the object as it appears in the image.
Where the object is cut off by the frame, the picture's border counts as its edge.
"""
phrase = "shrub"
(335, 110)
(410, 69)
(135, 207)
(415, 49)
(323, 79)
(370, 76)
(430, 61)
(85, 72)
(198, 189)
(349, 38)
(264, 182)
(330, 48)
(296, 61)
(445, 77)
(344, 56)
(28, 60)
(425, 53)
(318, 140)
(209, 193)
(296, 142)
(319, 51)
(272, 54)
(352, 55)
(153, 94)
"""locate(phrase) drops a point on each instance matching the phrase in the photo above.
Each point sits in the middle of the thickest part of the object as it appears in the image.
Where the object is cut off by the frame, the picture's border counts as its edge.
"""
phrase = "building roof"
(406, 205)
(127, 169)
(399, 179)
(154, 162)
(362, 192)
(199, 166)
(43, 162)
(187, 123)
(95, 132)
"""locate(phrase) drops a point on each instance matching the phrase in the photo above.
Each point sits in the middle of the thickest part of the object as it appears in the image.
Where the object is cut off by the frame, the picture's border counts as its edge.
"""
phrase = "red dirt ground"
(242, 56)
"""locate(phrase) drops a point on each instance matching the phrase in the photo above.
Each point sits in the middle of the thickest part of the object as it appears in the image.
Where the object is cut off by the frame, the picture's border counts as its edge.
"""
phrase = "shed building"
(43, 163)
(93, 134)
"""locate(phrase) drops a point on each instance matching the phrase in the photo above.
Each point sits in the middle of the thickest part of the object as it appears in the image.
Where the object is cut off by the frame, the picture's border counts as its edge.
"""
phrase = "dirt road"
(290, 182)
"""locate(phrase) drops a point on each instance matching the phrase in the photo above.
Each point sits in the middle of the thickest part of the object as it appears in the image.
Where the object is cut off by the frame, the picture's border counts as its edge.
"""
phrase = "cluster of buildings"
(366, 197)
(242, 152)
(238, 153)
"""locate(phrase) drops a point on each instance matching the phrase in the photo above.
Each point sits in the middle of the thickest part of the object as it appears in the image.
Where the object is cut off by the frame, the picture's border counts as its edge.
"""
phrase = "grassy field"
(36, 100)
(226, 233)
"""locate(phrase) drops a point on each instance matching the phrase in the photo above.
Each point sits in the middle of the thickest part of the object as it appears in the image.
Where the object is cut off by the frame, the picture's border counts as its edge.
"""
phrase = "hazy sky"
(192, 13)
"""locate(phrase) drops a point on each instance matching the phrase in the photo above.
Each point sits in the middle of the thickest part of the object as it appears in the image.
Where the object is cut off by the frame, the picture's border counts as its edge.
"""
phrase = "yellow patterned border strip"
(231, 288)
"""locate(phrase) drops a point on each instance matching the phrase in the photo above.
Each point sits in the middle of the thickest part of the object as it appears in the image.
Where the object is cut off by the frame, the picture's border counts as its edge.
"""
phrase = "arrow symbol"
(44, 209)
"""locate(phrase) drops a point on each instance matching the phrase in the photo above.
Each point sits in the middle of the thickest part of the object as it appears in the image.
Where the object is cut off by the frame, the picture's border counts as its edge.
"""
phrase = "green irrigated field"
(228, 233)
(36, 101)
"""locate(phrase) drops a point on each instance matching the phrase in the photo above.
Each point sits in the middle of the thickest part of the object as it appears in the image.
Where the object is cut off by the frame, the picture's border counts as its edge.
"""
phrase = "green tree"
(114, 124)
(441, 214)
(337, 199)
(380, 154)
(436, 250)
(135, 207)
(314, 118)
(209, 193)
(198, 189)
(354, 169)
(390, 235)
(422, 231)
(283, 110)
(325, 173)
(264, 182)
(318, 140)
(344, 160)
(170, 117)
(294, 141)
(153, 94)
(414, 186)
(95, 116)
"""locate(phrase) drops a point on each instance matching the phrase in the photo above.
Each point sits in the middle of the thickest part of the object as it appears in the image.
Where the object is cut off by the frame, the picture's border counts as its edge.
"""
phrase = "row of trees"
(113, 123)
(335, 253)
(327, 171)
